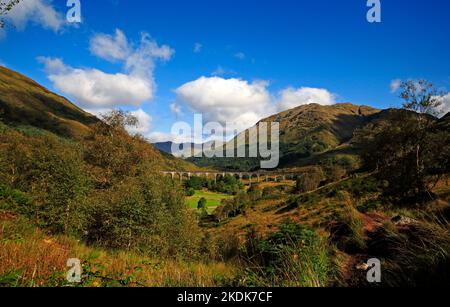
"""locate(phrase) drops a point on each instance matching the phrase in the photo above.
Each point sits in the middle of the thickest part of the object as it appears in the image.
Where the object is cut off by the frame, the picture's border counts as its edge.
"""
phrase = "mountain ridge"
(307, 132)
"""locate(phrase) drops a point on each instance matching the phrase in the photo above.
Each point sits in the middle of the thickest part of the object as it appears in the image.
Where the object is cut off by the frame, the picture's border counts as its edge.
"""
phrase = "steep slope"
(308, 133)
(25, 102)
(314, 129)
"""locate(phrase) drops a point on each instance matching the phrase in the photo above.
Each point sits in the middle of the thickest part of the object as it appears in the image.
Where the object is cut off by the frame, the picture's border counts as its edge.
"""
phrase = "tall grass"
(30, 258)
(294, 256)
(418, 255)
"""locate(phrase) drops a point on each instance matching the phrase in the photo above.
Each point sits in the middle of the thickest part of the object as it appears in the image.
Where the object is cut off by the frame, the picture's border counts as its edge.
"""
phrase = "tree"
(112, 152)
(5, 7)
(190, 192)
(423, 99)
(401, 148)
(202, 203)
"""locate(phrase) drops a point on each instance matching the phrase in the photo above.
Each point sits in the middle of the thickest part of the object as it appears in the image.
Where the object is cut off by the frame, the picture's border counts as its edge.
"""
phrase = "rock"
(403, 220)
(362, 267)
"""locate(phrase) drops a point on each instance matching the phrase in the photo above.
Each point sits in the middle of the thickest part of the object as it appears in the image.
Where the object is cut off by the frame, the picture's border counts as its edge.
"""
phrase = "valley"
(347, 190)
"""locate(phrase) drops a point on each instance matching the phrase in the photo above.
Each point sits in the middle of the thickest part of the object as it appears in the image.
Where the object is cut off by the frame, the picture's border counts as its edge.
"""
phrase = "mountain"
(309, 133)
(164, 146)
(189, 149)
(25, 102)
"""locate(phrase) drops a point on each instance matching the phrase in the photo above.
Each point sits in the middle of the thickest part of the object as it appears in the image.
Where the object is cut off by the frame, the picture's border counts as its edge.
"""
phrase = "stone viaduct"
(251, 176)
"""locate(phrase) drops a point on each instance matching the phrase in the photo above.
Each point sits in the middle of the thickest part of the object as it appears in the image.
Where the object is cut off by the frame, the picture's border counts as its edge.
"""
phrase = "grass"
(213, 199)
(30, 258)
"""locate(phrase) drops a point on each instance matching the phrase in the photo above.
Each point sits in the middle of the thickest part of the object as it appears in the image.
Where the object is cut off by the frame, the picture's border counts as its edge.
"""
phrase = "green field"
(213, 199)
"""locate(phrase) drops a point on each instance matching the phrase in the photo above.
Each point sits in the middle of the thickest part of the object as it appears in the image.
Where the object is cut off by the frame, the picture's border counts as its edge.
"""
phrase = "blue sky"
(231, 60)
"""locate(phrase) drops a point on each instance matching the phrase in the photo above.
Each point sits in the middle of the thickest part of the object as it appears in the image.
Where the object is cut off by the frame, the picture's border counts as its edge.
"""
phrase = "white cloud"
(242, 103)
(158, 137)
(444, 108)
(111, 48)
(290, 98)
(39, 12)
(395, 85)
(240, 55)
(176, 110)
(95, 89)
(198, 48)
(235, 101)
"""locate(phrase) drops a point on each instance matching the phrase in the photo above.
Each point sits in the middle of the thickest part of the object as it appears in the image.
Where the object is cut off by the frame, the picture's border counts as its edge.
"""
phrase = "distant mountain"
(25, 102)
(164, 146)
(309, 133)
(190, 149)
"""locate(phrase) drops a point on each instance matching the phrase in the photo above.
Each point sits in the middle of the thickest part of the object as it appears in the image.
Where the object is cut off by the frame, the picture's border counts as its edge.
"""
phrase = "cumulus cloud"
(93, 88)
(235, 101)
(242, 103)
(109, 47)
(39, 12)
(395, 85)
(290, 98)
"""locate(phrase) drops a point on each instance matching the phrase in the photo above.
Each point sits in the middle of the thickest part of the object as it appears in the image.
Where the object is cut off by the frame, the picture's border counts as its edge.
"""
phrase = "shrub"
(50, 169)
(346, 231)
(14, 200)
(310, 181)
(293, 256)
(414, 256)
(202, 203)
(190, 192)
(147, 213)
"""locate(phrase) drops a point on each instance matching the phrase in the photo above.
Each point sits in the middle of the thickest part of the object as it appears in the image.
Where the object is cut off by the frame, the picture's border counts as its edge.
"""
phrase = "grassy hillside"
(24, 102)
(308, 134)
(29, 107)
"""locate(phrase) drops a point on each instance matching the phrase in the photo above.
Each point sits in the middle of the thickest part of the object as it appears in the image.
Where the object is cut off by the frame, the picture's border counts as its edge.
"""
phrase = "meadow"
(213, 199)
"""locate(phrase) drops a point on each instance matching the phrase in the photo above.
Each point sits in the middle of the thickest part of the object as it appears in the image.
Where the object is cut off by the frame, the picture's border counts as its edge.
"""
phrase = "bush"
(202, 203)
(271, 193)
(232, 207)
(190, 192)
(414, 256)
(14, 200)
(50, 169)
(310, 181)
(147, 213)
(293, 256)
(196, 183)
(346, 231)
